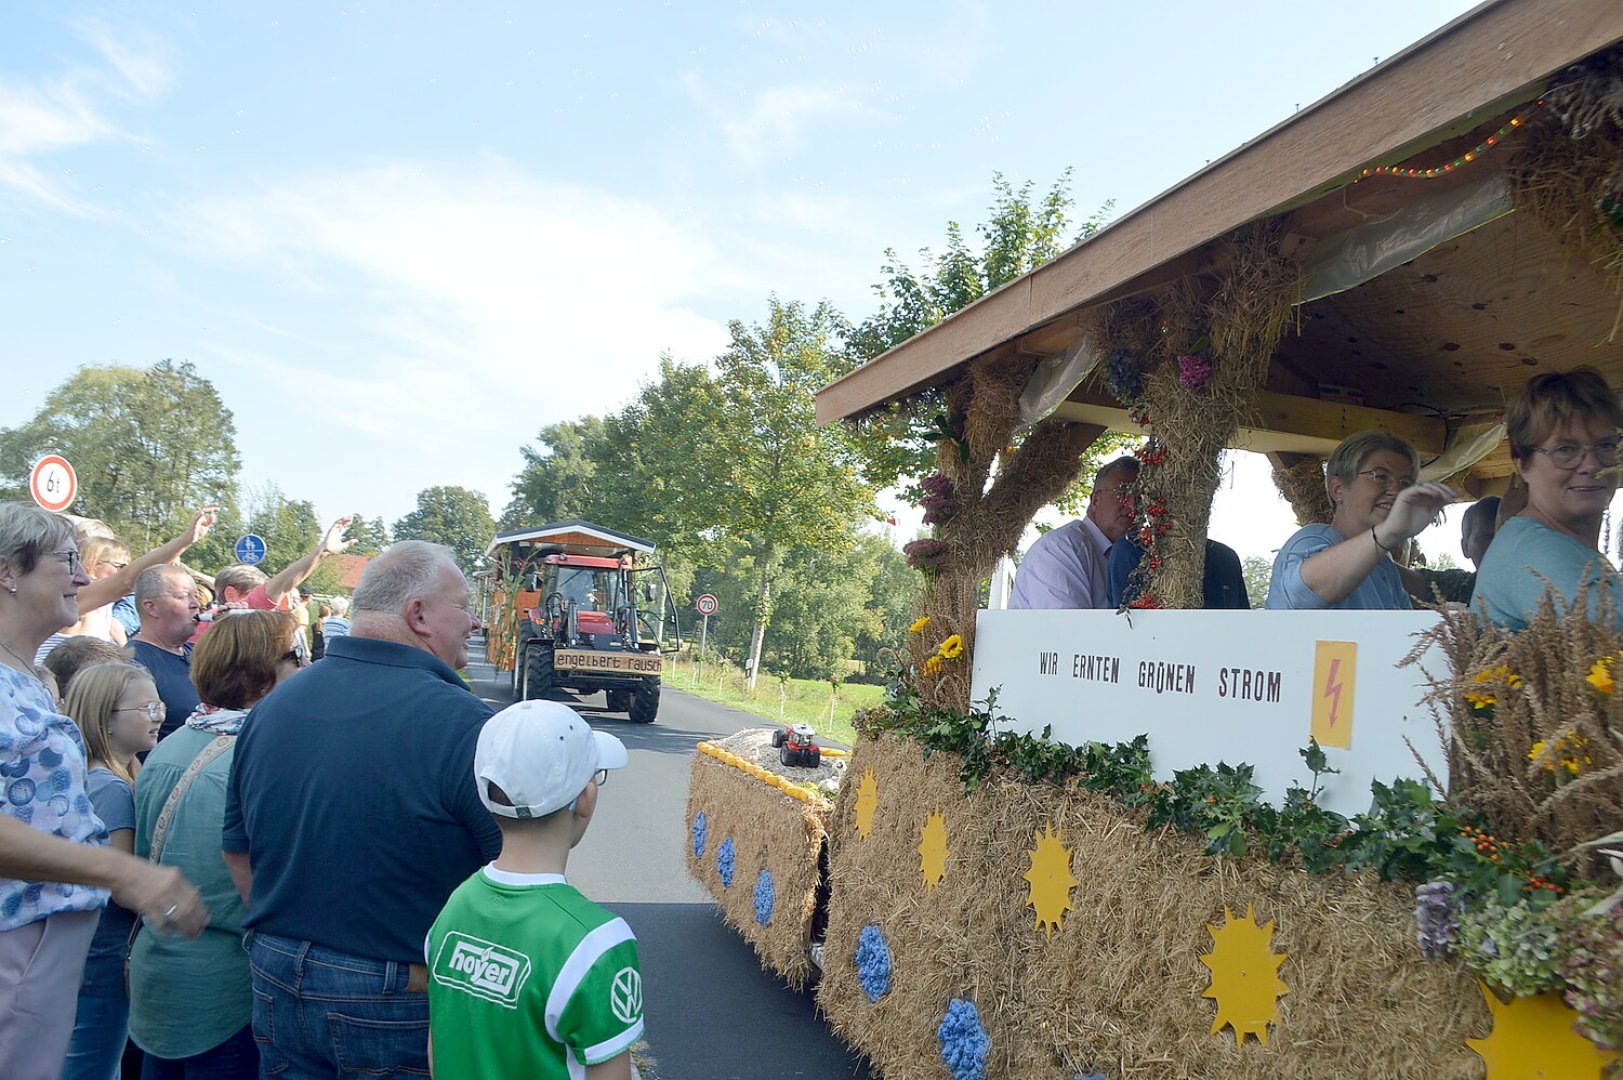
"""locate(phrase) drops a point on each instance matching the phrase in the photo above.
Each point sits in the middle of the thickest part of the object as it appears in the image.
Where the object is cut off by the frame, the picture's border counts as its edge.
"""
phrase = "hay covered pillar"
(1188, 365)
(1300, 478)
(985, 491)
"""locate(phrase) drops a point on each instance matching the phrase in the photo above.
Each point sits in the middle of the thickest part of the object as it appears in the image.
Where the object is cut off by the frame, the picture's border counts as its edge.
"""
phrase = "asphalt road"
(712, 1012)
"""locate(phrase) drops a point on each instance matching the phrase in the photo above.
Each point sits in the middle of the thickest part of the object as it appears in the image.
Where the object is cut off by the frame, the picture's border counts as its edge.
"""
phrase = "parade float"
(1167, 843)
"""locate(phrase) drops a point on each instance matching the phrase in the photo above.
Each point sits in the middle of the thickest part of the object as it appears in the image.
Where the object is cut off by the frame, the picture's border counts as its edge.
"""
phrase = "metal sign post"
(706, 606)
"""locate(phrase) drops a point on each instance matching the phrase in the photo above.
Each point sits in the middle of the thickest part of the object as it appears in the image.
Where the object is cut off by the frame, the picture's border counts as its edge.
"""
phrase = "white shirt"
(1065, 568)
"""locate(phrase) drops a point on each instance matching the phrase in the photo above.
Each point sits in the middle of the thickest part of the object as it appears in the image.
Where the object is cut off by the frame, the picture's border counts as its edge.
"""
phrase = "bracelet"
(1377, 539)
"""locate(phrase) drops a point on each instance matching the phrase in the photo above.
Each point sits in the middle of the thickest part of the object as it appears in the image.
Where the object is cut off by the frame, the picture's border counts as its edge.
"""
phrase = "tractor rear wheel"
(811, 757)
(538, 674)
(645, 702)
(789, 756)
(618, 700)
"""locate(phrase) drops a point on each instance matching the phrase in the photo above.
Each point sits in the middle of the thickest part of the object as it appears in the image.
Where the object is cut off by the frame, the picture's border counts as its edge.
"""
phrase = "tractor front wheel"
(538, 674)
(645, 702)
(618, 700)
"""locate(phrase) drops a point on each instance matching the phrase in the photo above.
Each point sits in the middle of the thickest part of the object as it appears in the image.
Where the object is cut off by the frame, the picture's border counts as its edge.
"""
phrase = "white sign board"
(1234, 686)
(53, 483)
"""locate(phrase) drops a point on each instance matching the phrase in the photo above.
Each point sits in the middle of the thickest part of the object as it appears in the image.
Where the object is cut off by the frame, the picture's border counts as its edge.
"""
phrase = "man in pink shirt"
(243, 586)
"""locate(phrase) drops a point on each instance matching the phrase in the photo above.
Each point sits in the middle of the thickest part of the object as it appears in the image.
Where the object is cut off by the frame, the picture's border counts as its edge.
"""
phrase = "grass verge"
(788, 701)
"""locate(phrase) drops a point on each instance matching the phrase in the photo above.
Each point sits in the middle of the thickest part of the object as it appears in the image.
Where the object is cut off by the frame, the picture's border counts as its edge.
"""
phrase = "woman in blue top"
(55, 870)
(118, 712)
(1347, 564)
(1563, 433)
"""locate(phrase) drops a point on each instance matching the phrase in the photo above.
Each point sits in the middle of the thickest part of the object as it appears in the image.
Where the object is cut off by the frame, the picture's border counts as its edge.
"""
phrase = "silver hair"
(1349, 456)
(239, 576)
(154, 581)
(28, 533)
(408, 568)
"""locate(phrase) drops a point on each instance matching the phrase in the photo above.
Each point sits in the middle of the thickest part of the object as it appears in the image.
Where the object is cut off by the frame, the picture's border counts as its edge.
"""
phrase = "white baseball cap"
(540, 753)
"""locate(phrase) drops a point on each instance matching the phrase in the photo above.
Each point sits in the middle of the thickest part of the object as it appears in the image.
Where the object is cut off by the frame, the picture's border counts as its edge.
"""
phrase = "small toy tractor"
(795, 746)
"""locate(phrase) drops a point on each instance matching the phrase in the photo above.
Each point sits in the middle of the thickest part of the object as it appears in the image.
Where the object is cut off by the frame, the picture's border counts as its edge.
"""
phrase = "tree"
(371, 537)
(289, 527)
(454, 516)
(149, 446)
(557, 482)
(1257, 571)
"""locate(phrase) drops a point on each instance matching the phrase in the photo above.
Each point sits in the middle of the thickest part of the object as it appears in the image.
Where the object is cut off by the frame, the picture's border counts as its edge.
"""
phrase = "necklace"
(28, 668)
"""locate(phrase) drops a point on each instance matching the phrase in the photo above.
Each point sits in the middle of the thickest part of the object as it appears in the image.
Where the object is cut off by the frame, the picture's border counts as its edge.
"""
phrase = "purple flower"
(925, 552)
(1193, 371)
(1436, 927)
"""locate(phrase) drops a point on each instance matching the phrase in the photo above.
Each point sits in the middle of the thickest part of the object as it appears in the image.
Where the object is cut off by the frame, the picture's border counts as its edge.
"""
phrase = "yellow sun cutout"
(1051, 880)
(1245, 976)
(867, 802)
(933, 849)
(1533, 1040)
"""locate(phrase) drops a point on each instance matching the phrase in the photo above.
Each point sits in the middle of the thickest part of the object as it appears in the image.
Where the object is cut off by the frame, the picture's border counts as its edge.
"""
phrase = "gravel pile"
(755, 744)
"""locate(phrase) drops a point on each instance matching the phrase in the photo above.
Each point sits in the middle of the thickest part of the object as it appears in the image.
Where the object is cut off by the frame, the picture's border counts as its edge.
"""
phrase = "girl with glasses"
(1563, 433)
(118, 712)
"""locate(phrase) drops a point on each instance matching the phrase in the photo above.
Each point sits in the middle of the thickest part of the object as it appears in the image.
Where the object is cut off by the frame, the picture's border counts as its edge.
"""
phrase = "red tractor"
(795, 746)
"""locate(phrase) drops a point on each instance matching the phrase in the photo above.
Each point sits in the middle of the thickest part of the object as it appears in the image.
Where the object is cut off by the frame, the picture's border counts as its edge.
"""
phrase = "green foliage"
(454, 516)
(1257, 572)
(1513, 946)
(150, 446)
(559, 479)
(370, 537)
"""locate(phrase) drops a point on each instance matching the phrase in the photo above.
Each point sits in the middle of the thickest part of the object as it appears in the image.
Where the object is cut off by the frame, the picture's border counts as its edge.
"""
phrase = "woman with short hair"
(1563, 434)
(55, 868)
(1379, 507)
(192, 1001)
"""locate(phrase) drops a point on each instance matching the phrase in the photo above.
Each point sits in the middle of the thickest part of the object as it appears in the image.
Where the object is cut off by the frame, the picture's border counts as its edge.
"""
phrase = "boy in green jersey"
(527, 977)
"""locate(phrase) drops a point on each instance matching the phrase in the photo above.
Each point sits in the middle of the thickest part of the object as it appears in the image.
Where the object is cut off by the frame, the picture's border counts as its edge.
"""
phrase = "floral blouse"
(42, 783)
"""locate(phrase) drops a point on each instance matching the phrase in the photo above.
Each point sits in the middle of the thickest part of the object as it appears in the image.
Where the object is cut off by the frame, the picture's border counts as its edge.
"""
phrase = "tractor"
(795, 746)
(572, 609)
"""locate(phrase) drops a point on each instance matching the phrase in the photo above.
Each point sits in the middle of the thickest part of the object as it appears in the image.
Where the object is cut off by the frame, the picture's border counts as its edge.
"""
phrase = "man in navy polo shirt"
(352, 815)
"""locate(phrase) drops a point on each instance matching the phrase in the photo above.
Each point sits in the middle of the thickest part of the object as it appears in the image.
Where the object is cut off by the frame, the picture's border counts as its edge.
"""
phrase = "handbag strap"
(166, 816)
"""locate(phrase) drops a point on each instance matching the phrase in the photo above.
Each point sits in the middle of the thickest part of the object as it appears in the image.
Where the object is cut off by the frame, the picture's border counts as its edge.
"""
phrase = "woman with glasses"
(118, 712)
(192, 1001)
(1563, 433)
(1379, 508)
(56, 868)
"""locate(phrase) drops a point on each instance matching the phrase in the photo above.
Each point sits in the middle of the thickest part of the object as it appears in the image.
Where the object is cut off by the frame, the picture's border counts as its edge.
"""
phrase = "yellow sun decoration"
(1245, 976)
(933, 849)
(1051, 880)
(1533, 1039)
(867, 802)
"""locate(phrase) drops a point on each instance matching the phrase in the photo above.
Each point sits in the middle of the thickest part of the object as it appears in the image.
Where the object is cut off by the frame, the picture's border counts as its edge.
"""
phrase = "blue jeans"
(320, 1013)
(100, 1029)
(235, 1059)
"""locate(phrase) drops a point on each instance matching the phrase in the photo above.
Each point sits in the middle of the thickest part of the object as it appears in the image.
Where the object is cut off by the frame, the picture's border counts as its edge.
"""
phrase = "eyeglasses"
(75, 563)
(1386, 479)
(600, 777)
(1571, 455)
(292, 657)
(154, 709)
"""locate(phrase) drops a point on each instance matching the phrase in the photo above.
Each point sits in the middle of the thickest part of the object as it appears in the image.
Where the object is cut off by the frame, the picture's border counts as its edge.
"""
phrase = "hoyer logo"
(481, 968)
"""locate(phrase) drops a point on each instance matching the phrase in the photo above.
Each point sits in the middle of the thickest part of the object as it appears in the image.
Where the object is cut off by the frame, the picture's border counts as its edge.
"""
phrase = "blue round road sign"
(250, 550)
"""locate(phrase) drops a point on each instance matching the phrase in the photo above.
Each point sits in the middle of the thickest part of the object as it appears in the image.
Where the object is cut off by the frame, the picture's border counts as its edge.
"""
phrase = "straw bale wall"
(769, 831)
(1117, 988)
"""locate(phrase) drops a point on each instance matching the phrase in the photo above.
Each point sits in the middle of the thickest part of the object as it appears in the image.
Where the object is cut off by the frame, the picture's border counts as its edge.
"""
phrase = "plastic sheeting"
(1348, 259)
(1055, 378)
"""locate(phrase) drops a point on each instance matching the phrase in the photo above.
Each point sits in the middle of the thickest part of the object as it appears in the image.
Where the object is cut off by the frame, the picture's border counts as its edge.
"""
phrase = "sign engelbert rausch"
(1233, 686)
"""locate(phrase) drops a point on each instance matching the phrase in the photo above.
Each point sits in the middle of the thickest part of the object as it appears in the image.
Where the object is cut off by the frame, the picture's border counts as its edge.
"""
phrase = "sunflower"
(919, 624)
(952, 648)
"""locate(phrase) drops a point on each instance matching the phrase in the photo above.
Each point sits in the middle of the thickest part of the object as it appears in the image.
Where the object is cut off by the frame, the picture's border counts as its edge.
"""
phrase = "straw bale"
(769, 831)
(1302, 484)
(1117, 989)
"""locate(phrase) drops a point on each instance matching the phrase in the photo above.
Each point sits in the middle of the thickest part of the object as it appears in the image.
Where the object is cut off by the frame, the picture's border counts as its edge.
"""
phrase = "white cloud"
(773, 122)
(485, 303)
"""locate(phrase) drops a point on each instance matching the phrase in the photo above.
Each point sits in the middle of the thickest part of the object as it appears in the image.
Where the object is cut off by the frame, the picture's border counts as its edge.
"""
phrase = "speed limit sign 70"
(52, 483)
(705, 605)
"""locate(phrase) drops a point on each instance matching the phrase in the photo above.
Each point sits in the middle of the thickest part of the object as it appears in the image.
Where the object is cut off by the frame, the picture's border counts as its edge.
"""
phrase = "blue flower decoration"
(699, 826)
(873, 962)
(1091, 1076)
(724, 861)
(963, 1041)
(764, 895)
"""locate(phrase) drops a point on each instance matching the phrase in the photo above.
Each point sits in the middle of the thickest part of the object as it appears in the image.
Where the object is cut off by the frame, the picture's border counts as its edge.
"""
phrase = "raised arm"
(101, 593)
(333, 543)
(1336, 571)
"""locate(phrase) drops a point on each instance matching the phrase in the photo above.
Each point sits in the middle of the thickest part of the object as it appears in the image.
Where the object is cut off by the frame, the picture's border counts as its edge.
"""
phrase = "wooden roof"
(1456, 330)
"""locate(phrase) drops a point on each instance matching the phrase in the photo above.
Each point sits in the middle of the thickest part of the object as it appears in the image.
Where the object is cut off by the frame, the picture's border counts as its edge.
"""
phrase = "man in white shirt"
(1065, 568)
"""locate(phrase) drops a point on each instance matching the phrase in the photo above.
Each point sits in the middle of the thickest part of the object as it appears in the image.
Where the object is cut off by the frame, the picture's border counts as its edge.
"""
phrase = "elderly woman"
(55, 870)
(1347, 564)
(192, 1002)
(1563, 433)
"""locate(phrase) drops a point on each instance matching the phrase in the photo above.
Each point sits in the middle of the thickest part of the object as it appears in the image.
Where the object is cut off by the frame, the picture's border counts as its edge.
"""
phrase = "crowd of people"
(220, 858)
(1544, 533)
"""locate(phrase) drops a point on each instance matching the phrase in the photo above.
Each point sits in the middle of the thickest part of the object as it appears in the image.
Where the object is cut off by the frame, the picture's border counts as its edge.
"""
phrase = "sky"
(401, 240)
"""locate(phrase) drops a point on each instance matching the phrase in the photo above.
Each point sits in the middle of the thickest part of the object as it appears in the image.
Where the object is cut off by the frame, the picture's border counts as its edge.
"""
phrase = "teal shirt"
(189, 996)
(1524, 556)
